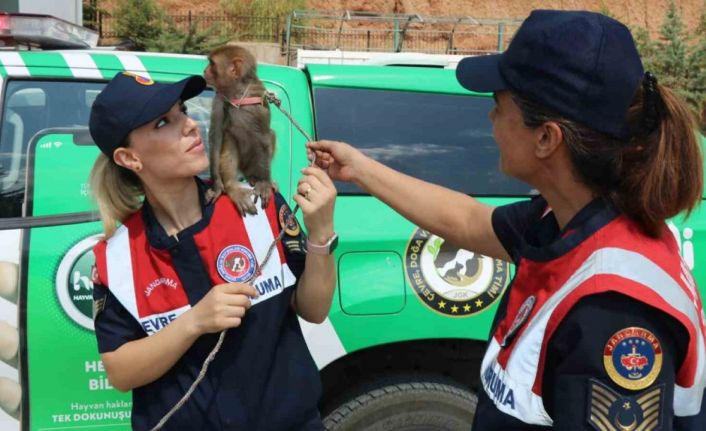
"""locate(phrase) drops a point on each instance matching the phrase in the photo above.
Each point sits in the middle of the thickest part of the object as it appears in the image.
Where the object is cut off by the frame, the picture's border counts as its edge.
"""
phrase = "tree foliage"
(261, 7)
(148, 28)
(190, 41)
(677, 58)
(140, 21)
(697, 64)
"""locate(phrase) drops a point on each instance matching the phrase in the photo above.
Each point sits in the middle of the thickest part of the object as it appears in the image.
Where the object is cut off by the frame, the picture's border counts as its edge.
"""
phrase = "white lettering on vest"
(166, 281)
(268, 288)
(156, 322)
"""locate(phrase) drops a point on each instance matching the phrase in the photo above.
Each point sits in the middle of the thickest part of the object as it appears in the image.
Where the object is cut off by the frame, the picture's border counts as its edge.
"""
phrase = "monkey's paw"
(211, 195)
(263, 190)
(215, 191)
(242, 198)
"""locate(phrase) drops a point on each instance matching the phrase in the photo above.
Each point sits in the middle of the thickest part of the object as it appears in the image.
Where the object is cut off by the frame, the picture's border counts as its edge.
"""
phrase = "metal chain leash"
(212, 355)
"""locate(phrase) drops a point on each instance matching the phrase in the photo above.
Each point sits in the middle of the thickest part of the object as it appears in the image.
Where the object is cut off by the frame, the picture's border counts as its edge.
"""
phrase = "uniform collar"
(547, 241)
(157, 236)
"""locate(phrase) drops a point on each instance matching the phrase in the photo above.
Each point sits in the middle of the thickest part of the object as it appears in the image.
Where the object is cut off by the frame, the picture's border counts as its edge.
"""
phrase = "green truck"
(411, 314)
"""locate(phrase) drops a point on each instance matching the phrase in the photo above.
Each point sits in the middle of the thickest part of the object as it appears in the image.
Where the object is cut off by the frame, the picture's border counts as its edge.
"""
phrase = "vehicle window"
(32, 106)
(444, 139)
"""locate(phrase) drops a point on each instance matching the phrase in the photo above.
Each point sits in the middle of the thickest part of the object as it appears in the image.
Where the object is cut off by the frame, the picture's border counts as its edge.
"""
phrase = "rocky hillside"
(645, 13)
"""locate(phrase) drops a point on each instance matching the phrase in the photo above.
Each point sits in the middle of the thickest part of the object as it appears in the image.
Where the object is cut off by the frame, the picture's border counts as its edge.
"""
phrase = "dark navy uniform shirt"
(263, 377)
(575, 351)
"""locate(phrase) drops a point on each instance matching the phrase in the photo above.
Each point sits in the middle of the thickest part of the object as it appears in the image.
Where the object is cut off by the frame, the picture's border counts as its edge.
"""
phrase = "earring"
(138, 168)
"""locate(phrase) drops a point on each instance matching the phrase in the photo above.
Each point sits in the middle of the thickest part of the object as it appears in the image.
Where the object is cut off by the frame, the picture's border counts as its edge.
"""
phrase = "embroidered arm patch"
(607, 410)
(287, 221)
(293, 239)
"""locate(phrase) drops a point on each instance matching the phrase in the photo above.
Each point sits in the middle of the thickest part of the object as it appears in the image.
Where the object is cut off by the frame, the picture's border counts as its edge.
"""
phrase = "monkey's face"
(220, 73)
(210, 72)
(169, 147)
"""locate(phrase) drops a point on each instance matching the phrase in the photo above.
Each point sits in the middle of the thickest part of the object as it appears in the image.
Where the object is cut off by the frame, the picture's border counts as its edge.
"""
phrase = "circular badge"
(74, 281)
(139, 79)
(236, 263)
(633, 358)
(450, 280)
(288, 222)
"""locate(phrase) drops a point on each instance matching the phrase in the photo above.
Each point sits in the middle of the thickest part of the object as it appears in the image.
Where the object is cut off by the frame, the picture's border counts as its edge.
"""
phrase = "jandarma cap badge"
(139, 79)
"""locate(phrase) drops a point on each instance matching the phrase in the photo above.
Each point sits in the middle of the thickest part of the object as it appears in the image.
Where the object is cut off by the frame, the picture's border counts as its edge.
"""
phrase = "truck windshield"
(441, 138)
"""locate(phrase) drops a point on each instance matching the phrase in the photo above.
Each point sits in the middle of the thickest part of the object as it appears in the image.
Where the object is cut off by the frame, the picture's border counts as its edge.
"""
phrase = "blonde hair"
(117, 191)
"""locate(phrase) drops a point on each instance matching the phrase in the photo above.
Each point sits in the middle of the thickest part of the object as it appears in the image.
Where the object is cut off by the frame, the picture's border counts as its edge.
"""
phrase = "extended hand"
(316, 196)
(341, 161)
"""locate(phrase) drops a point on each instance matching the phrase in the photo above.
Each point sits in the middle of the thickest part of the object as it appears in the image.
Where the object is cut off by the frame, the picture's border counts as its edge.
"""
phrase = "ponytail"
(117, 191)
(650, 177)
(663, 174)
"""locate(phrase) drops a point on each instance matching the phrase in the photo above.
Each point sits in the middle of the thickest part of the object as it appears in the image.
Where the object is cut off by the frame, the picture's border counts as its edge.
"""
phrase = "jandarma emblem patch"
(236, 263)
(609, 411)
(451, 280)
(288, 222)
(139, 79)
(633, 358)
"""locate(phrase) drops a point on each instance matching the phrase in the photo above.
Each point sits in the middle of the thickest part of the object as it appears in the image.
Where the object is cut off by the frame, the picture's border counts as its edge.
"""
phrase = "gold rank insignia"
(609, 411)
(293, 245)
(98, 306)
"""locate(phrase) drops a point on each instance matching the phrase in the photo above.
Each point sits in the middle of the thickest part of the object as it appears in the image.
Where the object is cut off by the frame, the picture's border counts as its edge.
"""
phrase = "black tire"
(422, 405)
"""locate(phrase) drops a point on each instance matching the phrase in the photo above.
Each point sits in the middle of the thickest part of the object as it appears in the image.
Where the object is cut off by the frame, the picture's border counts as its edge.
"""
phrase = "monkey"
(239, 135)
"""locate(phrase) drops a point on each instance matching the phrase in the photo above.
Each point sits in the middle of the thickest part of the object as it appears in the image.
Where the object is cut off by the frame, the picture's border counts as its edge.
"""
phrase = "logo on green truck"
(74, 285)
(451, 280)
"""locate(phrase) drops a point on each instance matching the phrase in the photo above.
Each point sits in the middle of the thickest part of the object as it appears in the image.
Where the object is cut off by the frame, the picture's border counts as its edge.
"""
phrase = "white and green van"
(411, 313)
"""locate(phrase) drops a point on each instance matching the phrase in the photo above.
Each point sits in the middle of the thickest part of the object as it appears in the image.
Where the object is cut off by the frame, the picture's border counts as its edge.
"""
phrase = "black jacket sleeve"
(114, 326)
(578, 391)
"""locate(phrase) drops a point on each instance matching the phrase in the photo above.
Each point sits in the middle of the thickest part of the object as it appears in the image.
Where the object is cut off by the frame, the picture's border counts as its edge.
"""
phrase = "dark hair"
(650, 177)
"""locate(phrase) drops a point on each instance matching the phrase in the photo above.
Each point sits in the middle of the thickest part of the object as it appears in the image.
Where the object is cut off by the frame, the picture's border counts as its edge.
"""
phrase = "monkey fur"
(240, 137)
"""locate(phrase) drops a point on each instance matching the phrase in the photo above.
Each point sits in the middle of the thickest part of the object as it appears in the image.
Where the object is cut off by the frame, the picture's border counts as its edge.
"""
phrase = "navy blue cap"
(130, 101)
(583, 65)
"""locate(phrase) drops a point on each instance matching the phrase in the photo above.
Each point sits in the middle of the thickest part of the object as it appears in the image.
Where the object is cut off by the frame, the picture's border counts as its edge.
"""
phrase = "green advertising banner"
(66, 384)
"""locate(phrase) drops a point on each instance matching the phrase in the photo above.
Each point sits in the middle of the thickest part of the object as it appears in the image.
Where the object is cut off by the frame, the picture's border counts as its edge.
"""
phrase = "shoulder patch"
(609, 411)
(288, 222)
(632, 357)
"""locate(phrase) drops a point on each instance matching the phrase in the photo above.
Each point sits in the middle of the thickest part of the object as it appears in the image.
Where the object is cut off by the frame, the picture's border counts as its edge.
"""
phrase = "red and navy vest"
(232, 248)
(615, 258)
